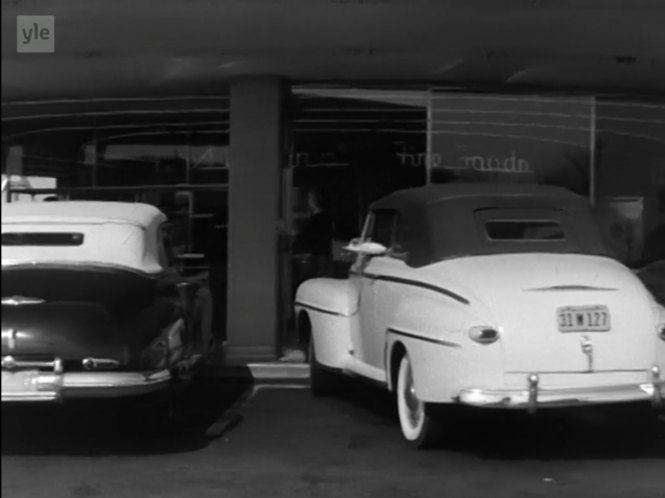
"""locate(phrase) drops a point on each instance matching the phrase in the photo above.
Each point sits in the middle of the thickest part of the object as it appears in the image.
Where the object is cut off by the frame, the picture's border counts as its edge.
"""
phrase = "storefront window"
(358, 145)
(363, 144)
(630, 177)
(353, 146)
(511, 138)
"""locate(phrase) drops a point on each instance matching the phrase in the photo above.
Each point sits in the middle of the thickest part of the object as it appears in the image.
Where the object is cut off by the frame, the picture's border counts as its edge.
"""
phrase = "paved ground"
(288, 444)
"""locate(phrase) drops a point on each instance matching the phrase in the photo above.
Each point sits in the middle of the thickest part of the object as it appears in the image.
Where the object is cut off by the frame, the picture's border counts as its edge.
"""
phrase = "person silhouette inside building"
(315, 238)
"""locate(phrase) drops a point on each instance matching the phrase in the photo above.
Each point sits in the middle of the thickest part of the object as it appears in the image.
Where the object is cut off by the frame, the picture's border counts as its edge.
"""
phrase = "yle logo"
(587, 349)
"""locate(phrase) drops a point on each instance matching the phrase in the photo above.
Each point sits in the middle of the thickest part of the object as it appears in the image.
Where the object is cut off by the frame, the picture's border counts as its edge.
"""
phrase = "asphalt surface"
(261, 441)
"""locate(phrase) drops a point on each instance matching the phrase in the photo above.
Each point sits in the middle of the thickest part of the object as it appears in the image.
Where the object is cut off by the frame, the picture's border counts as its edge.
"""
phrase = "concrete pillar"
(256, 152)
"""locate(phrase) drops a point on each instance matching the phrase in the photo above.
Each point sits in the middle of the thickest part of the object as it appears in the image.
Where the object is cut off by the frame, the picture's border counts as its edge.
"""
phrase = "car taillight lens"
(156, 355)
(484, 335)
(100, 363)
(661, 331)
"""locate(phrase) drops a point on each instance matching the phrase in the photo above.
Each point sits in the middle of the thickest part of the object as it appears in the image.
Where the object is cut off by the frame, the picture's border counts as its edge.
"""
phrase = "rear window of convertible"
(41, 239)
(524, 230)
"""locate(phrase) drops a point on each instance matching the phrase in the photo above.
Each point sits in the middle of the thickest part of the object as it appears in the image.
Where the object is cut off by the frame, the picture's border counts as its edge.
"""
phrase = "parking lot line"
(232, 417)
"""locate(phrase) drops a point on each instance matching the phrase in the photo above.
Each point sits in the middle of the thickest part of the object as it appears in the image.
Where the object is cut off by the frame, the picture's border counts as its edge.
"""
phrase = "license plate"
(583, 319)
(21, 381)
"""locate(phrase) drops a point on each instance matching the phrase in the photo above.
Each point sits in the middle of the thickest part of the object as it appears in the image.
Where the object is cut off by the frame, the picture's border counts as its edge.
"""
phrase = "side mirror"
(366, 248)
(352, 245)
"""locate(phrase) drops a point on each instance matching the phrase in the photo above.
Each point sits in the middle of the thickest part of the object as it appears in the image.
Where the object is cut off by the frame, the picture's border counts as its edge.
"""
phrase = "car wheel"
(322, 381)
(419, 426)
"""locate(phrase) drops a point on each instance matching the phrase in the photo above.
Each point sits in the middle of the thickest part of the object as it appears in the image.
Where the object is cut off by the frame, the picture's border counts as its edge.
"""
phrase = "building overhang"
(148, 48)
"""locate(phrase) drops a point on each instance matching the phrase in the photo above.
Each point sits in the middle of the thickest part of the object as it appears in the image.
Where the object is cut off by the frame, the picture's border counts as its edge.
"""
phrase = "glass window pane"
(524, 230)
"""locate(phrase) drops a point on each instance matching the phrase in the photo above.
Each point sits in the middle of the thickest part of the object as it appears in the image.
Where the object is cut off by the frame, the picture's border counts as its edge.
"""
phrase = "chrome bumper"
(57, 385)
(533, 397)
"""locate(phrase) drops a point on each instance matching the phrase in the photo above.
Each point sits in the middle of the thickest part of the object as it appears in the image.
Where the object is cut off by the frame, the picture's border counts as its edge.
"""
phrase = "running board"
(355, 366)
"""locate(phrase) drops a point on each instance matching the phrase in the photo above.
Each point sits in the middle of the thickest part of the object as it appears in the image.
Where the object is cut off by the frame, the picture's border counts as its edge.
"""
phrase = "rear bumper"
(53, 387)
(533, 397)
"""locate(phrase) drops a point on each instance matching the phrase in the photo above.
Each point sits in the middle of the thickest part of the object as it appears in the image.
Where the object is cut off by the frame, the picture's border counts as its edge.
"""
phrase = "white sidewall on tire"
(410, 430)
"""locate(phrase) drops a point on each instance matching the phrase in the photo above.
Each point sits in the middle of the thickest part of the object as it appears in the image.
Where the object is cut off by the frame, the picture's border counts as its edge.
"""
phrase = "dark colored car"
(95, 304)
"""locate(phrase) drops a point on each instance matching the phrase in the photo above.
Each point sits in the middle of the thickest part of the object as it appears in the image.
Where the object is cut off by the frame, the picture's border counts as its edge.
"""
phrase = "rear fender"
(332, 295)
(329, 307)
(434, 333)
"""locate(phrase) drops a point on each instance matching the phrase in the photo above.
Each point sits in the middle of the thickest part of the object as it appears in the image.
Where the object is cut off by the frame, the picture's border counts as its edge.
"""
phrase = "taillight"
(661, 331)
(100, 363)
(484, 335)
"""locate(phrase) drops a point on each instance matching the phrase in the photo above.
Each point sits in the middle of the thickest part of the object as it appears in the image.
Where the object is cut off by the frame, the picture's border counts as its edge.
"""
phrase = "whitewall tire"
(418, 424)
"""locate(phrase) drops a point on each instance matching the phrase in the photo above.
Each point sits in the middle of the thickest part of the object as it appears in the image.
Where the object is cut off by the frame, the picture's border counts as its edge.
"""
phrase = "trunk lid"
(71, 313)
(527, 293)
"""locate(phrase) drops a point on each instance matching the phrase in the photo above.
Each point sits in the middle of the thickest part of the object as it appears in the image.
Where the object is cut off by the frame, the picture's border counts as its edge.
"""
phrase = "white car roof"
(84, 212)
(115, 234)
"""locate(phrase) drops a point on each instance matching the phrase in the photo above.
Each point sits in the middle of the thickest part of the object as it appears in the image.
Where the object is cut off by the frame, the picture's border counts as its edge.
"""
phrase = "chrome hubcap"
(413, 404)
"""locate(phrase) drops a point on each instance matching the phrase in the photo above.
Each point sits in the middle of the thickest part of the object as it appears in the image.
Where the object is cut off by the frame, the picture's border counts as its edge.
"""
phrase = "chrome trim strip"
(53, 381)
(95, 385)
(91, 363)
(410, 335)
(577, 372)
(11, 363)
(414, 283)
(114, 380)
(48, 396)
(21, 300)
(13, 264)
(571, 288)
(541, 398)
(319, 309)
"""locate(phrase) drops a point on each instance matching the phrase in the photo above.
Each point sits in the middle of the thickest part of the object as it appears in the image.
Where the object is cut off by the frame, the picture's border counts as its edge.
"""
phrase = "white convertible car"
(466, 294)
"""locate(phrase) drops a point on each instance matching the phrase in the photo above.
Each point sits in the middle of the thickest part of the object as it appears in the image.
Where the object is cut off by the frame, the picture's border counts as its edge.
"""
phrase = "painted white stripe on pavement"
(232, 417)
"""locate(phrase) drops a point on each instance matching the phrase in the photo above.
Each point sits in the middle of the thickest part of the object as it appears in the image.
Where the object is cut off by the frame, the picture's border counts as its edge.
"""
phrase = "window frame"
(370, 226)
(536, 223)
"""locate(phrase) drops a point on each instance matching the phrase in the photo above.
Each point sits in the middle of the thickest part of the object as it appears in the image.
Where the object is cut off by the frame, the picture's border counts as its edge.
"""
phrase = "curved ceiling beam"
(184, 125)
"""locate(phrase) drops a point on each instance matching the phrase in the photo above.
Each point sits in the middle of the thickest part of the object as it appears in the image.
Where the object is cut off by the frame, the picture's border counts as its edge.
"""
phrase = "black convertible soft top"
(445, 221)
